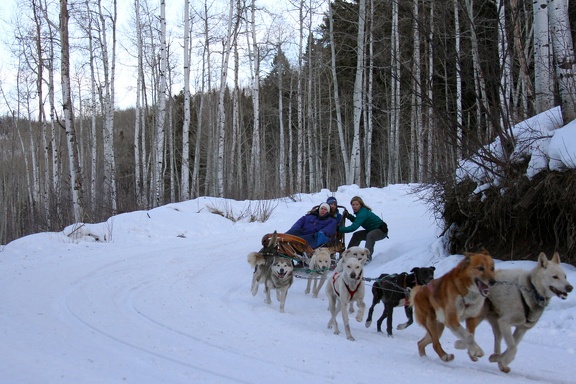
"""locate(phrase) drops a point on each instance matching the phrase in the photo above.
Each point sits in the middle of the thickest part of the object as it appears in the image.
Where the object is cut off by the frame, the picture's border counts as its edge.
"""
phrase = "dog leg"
(255, 283)
(389, 308)
(307, 291)
(512, 341)
(345, 320)
(322, 281)
(334, 307)
(381, 319)
(435, 330)
(375, 300)
(410, 315)
(268, 300)
(281, 297)
(361, 310)
(467, 337)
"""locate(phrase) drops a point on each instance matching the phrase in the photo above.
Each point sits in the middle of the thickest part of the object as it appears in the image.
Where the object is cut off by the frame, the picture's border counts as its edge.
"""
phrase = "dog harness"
(350, 292)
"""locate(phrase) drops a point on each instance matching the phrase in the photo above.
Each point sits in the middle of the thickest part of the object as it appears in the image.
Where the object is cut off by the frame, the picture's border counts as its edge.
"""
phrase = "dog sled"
(299, 250)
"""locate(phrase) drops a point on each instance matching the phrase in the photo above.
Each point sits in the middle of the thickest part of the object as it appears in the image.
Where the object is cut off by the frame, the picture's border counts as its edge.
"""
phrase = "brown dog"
(457, 296)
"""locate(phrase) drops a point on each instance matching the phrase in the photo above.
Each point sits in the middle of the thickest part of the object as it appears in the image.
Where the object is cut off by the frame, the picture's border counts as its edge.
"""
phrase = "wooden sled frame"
(299, 250)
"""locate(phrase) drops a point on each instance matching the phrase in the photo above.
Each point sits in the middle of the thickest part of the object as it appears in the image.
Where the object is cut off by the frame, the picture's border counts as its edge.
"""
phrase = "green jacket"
(364, 218)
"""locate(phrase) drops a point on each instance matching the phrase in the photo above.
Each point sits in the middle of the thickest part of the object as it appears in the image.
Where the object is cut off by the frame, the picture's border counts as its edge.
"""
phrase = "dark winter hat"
(332, 200)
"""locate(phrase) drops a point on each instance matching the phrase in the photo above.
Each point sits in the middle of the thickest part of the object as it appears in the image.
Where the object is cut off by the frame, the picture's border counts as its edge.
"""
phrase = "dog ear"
(556, 258)
(413, 270)
(433, 268)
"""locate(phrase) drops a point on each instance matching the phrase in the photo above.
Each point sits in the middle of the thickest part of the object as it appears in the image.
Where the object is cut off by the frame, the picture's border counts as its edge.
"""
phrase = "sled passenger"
(316, 227)
(374, 227)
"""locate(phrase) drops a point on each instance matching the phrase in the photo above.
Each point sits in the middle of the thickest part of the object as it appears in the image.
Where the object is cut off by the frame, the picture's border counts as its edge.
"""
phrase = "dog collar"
(540, 300)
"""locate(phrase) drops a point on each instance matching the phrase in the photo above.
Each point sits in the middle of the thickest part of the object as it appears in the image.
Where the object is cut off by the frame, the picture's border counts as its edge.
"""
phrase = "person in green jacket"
(374, 227)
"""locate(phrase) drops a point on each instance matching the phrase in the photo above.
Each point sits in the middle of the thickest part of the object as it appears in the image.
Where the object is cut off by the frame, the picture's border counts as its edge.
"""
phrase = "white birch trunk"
(354, 175)
(416, 123)
(221, 109)
(71, 140)
(564, 61)
(394, 140)
(282, 142)
(255, 60)
(369, 102)
(543, 83)
(161, 116)
(505, 89)
(137, 155)
(458, 80)
(108, 69)
(299, 111)
(337, 103)
(185, 171)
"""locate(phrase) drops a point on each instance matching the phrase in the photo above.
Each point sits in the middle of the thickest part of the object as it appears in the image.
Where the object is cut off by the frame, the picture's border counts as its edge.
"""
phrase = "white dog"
(518, 299)
(359, 253)
(319, 266)
(362, 254)
(343, 288)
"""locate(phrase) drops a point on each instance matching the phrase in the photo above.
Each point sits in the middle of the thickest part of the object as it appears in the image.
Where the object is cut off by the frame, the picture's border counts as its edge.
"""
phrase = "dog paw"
(401, 326)
(351, 338)
(494, 358)
(368, 324)
(447, 357)
(460, 344)
(503, 368)
(475, 352)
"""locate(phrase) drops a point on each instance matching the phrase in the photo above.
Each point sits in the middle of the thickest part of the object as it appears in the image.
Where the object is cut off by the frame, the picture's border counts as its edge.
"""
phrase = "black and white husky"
(273, 270)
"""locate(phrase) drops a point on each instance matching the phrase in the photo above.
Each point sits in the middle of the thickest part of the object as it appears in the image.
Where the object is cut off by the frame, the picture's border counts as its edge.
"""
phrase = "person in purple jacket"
(316, 227)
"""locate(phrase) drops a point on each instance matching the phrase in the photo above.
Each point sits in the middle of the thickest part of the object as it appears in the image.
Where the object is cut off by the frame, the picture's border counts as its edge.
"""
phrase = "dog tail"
(255, 259)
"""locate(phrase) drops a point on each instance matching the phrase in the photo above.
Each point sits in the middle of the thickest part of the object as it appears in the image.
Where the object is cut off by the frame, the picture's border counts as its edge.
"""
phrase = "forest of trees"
(267, 104)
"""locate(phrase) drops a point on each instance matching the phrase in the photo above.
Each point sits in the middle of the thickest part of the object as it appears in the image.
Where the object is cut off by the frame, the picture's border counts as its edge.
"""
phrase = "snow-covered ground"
(166, 299)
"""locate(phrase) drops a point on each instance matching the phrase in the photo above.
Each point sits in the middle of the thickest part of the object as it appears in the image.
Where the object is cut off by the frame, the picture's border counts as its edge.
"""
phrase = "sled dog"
(518, 299)
(359, 253)
(273, 270)
(394, 291)
(344, 288)
(319, 266)
(457, 296)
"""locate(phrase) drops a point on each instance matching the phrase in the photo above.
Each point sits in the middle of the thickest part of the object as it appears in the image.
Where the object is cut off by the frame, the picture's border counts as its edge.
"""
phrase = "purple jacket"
(313, 223)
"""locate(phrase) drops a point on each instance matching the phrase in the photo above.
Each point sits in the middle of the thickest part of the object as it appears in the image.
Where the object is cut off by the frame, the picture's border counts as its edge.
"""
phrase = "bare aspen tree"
(93, 110)
(68, 108)
(138, 121)
(227, 46)
(185, 171)
(430, 126)
(564, 60)
(336, 92)
(369, 127)
(480, 81)
(357, 97)
(458, 81)
(281, 66)
(394, 137)
(543, 71)
(300, 103)
(525, 89)
(161, 115)
(505, 89)
(205, 83)
(416, 161)
(254, 56)
(46, 198)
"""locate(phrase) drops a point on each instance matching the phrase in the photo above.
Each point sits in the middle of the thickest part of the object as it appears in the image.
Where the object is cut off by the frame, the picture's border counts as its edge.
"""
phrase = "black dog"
(394, 291)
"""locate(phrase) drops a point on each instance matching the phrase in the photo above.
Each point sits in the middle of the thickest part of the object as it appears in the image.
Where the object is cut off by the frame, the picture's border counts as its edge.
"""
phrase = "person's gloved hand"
(321, 239)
